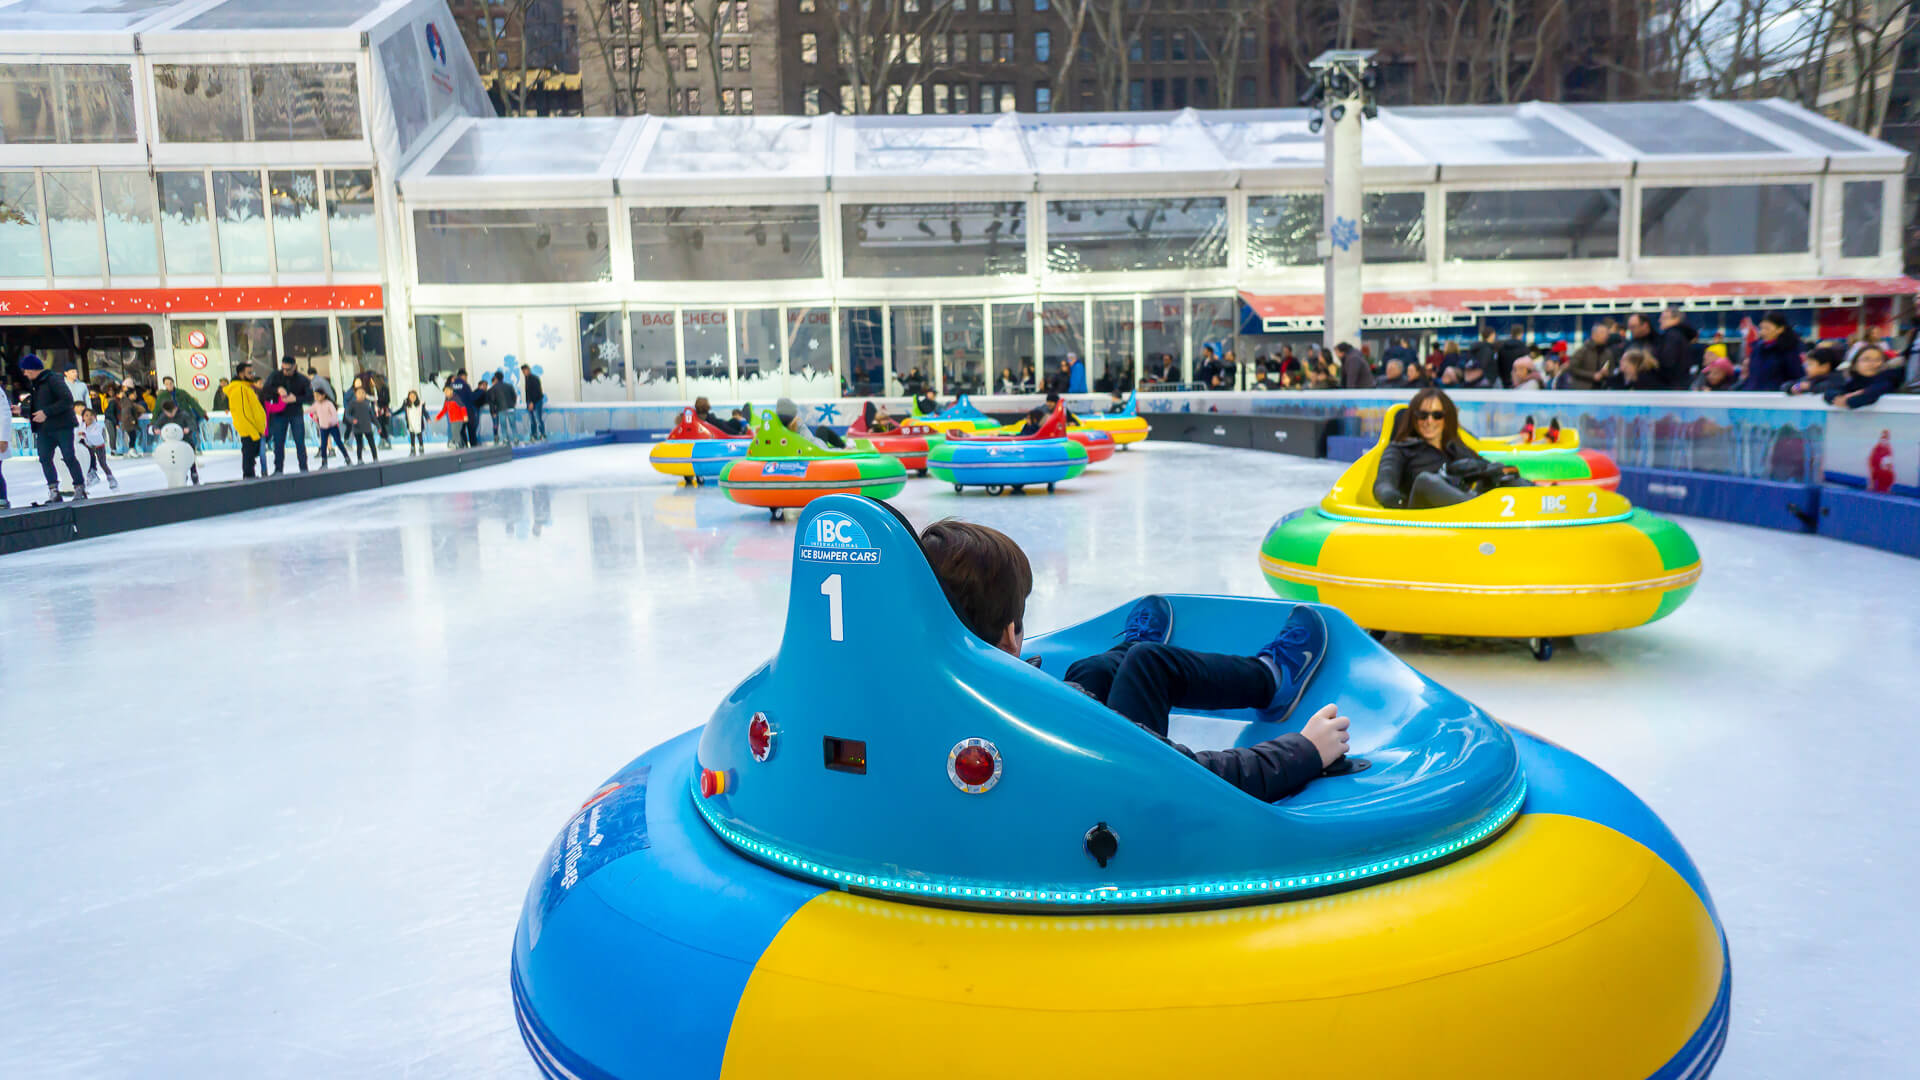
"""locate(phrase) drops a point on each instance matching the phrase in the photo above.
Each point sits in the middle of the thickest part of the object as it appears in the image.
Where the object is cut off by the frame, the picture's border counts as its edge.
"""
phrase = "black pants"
(279, 425)
(97, 461)
(47, 440)
(332, 434)
(472, 429)
(249, 456)
(417, 440)
(364, 443)
(1144, 681)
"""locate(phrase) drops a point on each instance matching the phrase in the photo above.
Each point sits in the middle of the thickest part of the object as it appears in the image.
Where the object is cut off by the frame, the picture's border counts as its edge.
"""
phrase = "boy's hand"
(1327, 731)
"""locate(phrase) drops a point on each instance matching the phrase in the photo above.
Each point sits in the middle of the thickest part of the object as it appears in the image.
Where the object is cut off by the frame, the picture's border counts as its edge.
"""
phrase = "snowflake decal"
(715, 358)
(1344, 232)
(813, 344)
(607, 352)
(827, 414)
(303, 187)
(548, 338)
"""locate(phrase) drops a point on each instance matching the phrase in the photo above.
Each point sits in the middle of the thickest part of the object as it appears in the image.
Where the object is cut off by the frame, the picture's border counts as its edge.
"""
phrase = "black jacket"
(1404, 459)
(1871, 387)
(1511, 349)
(500, 396)
(49, 395)
(1267, 771)
(535, 392)
(1675, 353)
(359, 414)
(1818, 386)
(297, 384)
(1354, 372)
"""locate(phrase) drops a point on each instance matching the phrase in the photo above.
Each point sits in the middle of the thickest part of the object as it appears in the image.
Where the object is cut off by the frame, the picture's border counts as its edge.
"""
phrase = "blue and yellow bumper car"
(1010, 878)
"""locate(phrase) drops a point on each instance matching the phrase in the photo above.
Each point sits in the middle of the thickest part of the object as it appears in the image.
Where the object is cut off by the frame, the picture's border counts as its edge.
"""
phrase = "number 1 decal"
(1506, 506)
(830, 589)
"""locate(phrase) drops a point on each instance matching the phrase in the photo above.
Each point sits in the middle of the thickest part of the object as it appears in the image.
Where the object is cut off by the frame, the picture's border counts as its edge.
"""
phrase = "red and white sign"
(196, 339)
(198, 360)
(59, 303)
(202, 383)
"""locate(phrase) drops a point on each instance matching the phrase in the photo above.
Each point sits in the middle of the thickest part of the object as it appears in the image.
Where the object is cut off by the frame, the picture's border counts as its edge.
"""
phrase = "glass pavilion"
(328, 180)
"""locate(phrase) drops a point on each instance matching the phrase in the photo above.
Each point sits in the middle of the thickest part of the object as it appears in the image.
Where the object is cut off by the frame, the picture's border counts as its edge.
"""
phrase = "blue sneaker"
(1294, 655)
(1150, 620)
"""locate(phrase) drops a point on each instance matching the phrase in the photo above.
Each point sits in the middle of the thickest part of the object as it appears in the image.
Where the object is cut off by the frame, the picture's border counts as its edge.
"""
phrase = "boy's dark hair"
(1825, 354)
(983, 572)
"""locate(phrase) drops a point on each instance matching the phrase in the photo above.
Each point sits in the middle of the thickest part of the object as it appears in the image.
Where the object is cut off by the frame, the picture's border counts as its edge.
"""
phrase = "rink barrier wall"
(1887, 522)
(1770, 504)
(43, 527)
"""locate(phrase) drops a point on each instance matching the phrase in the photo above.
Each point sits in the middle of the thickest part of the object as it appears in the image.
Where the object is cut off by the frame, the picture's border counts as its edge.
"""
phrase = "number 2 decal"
(830, 588)
(1593, 502)
(1506, 506)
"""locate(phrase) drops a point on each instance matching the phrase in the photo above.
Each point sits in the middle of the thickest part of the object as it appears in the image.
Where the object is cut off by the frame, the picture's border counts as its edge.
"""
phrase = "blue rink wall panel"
(1887, 522)
(1770, 504)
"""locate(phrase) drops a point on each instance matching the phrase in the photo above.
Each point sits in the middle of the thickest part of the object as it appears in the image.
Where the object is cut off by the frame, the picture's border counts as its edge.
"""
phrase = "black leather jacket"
(1405, 459)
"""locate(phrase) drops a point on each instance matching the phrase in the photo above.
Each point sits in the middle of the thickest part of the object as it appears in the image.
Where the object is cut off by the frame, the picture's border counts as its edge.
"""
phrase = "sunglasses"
(1430, 414)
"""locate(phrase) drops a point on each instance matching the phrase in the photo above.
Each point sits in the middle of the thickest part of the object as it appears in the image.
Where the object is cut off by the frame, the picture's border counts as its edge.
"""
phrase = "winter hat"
(786, 410)
(30, 362)
(1720, 364)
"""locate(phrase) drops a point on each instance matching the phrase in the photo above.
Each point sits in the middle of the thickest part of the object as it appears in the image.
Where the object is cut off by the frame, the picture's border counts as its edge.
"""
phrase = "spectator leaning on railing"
(1867, 379)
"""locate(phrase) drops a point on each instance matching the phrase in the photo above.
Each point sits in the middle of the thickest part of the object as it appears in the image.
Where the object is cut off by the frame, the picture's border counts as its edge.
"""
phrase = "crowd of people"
(103, 420)
(1646, 351)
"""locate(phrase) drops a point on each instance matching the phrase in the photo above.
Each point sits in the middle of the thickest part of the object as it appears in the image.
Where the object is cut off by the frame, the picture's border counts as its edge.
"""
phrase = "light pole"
(1342, 92)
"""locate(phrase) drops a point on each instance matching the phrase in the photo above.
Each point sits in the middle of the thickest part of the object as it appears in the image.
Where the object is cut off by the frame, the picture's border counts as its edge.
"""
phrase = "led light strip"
(1107, 896)
(1401, 524)
(1295, 572)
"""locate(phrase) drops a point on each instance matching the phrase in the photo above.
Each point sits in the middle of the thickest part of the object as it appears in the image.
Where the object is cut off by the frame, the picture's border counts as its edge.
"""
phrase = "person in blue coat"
(1867, 379)
(1774, 361)
(1076, 374)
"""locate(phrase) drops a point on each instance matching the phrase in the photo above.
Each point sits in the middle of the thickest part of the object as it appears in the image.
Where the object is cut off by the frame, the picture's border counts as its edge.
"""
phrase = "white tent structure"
(656, 259)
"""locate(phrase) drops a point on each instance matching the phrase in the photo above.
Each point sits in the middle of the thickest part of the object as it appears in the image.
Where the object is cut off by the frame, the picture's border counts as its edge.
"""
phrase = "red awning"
(59, 303)
(1812, 292)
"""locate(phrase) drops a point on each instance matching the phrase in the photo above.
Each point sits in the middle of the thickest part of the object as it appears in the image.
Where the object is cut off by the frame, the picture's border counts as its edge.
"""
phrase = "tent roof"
(220, 16)
(1093, 153)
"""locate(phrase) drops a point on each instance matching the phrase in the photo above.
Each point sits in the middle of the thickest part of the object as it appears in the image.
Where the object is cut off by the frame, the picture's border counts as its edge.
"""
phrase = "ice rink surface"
(272, 786)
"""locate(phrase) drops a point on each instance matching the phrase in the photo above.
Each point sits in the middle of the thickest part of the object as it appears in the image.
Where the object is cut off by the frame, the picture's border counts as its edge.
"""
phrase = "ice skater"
(986, 577)
(414, 414)
(49, 407)
(284, 393)
(326, 418)
(6, 447)
(360, 421)
(455, 414)
(93, 431)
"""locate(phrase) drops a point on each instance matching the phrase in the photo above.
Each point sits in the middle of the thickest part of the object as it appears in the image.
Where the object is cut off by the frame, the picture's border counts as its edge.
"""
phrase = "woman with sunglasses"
(1425, 442)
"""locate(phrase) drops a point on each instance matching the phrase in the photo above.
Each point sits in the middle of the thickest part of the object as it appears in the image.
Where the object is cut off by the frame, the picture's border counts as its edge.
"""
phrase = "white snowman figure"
(175, 456)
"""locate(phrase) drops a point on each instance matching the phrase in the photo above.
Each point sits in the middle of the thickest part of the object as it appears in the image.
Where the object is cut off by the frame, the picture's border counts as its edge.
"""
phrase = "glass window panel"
(241, 215)
(441, 342)
(1282, 230)
(251, 341)
(1013, 347)
(705, 330)
(351, 235)
(197, 368)
(363, 345)
(1672, 128)
(22, 252)
(96, 103)
(73, 224)
(1163, 331)
(1086, 235)
(725, 243)
(183, 223)
(127, 199)
(305, 102)
(297, 247)
(1860, 205)
(1063, 325)
(933, 239)
(1825, 138)
(1393, 226)
(1743, 219)
(511, 247)
(963, 349)
(1112, 363)
(1569, 223)
(1214, 321)
(28, 109)
(306, 341)
(756, 333)
(912, 328)
(810, 353)
(862, 352)
(603, 357)
(201, 102)
(655, 372)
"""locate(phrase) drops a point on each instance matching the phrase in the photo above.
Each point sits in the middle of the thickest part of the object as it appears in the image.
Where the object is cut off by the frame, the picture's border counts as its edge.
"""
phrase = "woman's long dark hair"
(1404, 427)
(867, 413)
